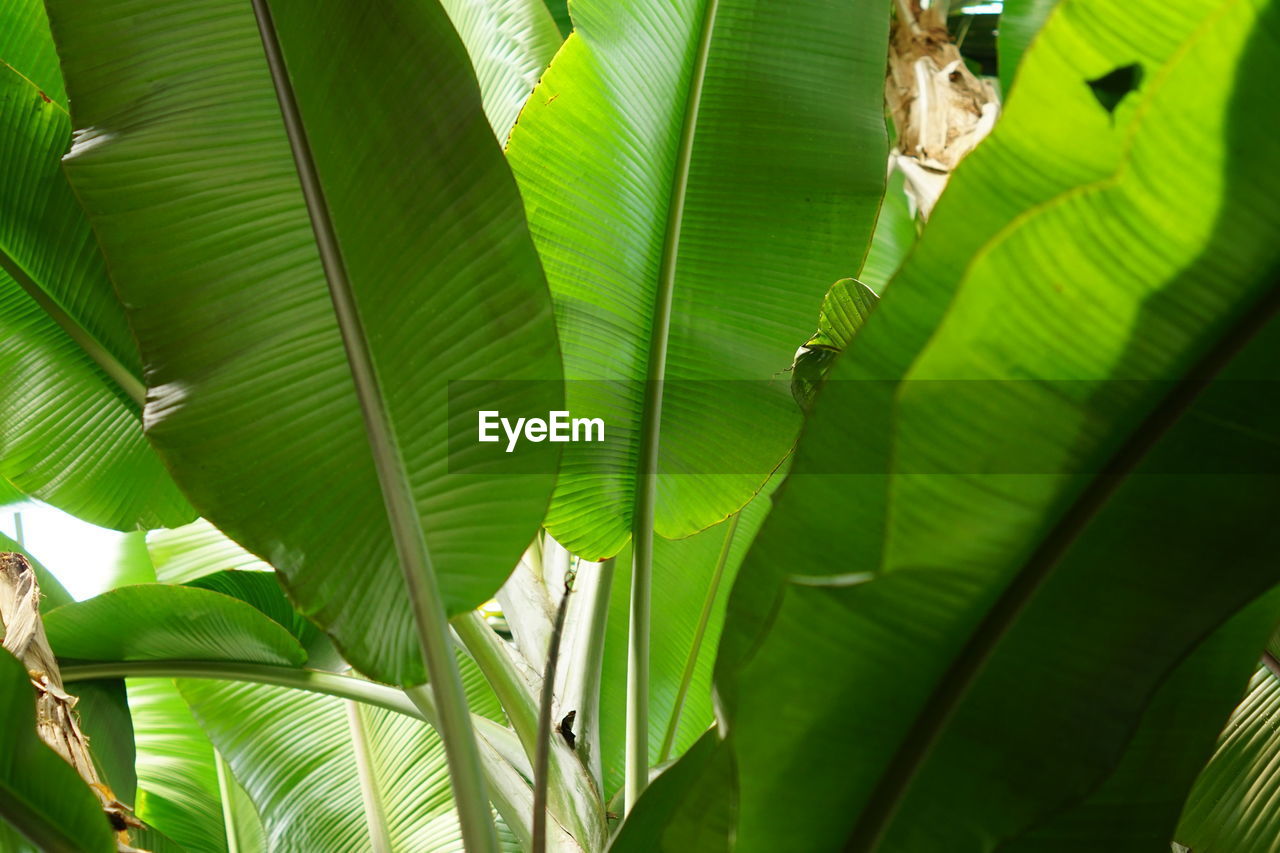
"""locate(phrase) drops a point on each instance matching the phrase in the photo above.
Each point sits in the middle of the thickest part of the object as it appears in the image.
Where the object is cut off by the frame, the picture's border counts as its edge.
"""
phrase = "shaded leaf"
(41, 796)
(684, 575)
(960, 513)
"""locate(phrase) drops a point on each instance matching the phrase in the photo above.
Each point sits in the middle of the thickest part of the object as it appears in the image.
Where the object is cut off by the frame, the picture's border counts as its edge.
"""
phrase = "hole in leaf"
(1111, 88)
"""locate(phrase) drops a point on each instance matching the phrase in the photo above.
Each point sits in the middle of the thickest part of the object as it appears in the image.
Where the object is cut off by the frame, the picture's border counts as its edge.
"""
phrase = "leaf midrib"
(892, 785)
(645, 496)
(123, 378)
(416, 564)
(953, 686)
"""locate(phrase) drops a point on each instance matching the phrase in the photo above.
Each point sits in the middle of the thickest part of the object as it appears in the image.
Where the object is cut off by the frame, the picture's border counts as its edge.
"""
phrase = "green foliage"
(40, 794)
(689, 215)
(845, 308)
(259, 376)
(159, 622)
(982, 522)
(510, 43)
(181, 788)
(1000, 595)
(186, 553)
(560, 11)
(70, 377)
(688, 577)
(894, 236)
(1020, 20)
(1230, 807)
(326, 772)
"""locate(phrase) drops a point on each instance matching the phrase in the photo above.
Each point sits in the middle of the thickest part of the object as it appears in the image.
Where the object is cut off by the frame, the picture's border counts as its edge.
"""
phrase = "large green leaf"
(1137, 807)
(684, 809)
(696, 174)
(189, 176)
(943, 579)
(40, 794)
(160, 622)
(328, 774)
(10, 494)
(194, 550)
(510, 43)
(181, 790)
(263, 591)
(1232, 806)
(103, 709)
(70, 427)
(688, 578)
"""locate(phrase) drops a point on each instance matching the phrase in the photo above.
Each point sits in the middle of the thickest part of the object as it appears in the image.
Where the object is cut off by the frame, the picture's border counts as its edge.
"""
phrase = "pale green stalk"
(375, 815)
(637, 754)
(224, 793)
(456, 732)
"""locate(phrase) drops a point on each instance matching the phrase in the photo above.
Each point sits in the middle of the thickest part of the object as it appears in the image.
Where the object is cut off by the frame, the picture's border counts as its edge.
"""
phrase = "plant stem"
(699, 634)
(542, 760)
(952, 686)
(224, 793)
(374, 813)
(637, 751)
(501, 670)
(637, 766)
(315, 681)
(582, 653)
(573, 795)
(500, 749)
(454, 728)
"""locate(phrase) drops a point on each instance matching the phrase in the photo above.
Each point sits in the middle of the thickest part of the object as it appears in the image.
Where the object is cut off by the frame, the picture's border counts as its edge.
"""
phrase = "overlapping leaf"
(194, 550)
(695, 174)
(1232, 806)
(1020, 20)
(510, 43)
(159, 622)
(41, 796)
(182, 792)
(902, 635)
(190, 180)
(326, 773)
(687, 572)
(70, 427)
